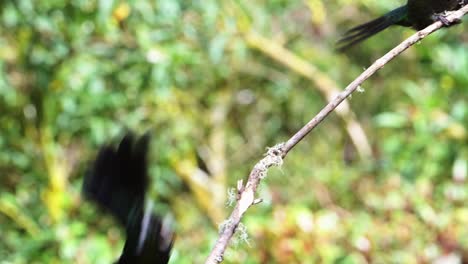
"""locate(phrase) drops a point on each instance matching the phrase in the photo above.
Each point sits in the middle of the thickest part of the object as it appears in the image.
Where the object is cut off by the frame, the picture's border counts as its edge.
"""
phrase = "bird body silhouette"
(416, 14)
(118, 182)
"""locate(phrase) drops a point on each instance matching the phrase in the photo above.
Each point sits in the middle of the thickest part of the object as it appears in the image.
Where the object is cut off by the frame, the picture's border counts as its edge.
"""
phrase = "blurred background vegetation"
(383, 180)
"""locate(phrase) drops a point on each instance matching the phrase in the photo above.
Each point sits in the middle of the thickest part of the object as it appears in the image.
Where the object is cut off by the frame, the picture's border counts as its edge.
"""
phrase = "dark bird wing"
(117, 182)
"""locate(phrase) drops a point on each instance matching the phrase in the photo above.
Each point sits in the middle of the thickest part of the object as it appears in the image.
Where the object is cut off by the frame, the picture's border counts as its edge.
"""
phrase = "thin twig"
(322, 82)
(275, 155)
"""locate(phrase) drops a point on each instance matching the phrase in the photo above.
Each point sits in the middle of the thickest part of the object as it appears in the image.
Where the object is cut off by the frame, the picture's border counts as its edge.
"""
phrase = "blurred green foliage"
(75, 74)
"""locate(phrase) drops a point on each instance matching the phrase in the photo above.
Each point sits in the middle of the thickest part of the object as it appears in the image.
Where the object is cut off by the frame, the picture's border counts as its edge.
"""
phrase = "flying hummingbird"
(118, 182)
(416, 14)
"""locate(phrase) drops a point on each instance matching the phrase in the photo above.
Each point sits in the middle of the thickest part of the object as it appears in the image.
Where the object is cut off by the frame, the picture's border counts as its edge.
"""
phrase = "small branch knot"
(273, 157)
(276, 150)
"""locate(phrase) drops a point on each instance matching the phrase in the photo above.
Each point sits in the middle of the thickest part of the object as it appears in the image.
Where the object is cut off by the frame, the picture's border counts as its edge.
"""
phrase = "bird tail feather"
(366, 30)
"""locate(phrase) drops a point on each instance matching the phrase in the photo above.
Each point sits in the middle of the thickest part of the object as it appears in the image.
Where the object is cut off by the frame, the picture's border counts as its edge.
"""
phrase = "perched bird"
(416, 14)
(117, 182)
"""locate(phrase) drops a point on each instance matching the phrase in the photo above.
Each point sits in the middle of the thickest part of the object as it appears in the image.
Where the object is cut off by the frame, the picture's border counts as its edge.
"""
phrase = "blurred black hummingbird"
(118, 182)
(416, 14)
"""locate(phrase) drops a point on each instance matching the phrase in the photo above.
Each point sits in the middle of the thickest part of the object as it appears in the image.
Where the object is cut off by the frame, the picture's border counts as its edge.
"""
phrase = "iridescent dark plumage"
(117, 182)
(416, 14)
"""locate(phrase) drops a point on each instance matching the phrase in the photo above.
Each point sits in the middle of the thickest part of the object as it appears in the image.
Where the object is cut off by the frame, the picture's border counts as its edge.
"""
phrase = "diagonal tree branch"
(275, 155)
(322, 82)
